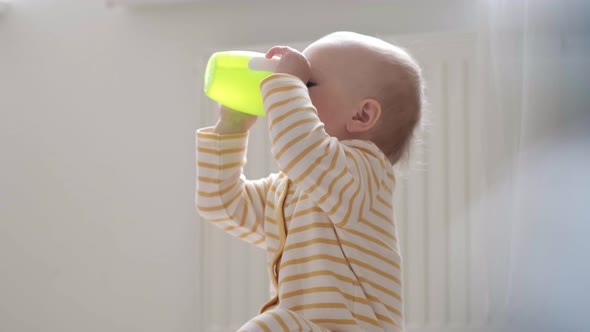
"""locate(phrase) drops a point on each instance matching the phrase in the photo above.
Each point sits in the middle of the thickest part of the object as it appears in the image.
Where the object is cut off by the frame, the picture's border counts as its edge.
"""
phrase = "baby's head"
(365, 88)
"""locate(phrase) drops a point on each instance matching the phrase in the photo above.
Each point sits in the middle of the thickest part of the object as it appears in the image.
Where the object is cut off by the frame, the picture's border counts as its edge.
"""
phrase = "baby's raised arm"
(224, 196)
(343, 179)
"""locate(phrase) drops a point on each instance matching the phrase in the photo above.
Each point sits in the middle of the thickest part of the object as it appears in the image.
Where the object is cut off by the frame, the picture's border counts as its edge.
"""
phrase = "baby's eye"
(310, 84)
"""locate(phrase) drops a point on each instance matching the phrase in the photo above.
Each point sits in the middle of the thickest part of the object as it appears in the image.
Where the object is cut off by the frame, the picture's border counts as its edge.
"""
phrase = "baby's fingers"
(277, 50)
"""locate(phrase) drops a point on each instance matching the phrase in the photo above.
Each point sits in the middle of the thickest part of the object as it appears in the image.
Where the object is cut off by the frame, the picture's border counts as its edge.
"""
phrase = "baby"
(340, 115)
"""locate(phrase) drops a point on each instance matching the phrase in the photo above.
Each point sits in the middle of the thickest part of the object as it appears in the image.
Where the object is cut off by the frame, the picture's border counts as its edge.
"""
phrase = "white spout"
(263, 64)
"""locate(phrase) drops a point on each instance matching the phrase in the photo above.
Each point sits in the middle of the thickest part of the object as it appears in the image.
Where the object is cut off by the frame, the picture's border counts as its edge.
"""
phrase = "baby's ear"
(365, 117)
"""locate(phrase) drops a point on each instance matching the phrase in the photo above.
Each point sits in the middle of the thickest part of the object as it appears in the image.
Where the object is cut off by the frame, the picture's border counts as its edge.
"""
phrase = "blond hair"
(401, 96)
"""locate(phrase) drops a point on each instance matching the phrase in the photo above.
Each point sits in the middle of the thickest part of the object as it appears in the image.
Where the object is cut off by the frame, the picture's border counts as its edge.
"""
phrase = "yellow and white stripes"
(337, 178)
(280, 320)
(326, 220)
(224, 197)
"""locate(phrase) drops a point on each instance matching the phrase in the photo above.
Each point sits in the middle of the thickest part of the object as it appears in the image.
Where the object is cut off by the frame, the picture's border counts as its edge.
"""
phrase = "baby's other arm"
(224, 196)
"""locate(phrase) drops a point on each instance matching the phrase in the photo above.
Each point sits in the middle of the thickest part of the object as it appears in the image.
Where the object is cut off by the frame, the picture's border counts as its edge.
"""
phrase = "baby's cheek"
(315, 100)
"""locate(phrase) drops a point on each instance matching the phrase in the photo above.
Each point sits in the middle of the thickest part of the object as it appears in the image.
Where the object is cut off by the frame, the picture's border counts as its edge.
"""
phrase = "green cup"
(232, 78)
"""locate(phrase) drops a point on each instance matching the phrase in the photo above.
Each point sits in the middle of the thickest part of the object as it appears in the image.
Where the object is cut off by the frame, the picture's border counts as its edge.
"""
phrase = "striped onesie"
(325, 220)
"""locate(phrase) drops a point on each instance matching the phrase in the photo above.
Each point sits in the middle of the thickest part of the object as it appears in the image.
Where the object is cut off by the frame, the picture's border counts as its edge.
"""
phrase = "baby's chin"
(341, 135)
(328, 130)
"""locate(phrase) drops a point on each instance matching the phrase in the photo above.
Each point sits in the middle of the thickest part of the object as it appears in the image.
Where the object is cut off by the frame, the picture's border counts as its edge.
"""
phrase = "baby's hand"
(292, 62)
(233, 122)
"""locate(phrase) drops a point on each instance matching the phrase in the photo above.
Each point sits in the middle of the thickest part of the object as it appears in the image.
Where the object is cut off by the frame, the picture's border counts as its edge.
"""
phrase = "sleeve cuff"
(276, 80)
(208, 138)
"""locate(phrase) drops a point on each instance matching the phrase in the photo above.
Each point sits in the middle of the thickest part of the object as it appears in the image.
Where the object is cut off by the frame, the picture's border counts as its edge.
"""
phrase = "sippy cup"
(233, 78)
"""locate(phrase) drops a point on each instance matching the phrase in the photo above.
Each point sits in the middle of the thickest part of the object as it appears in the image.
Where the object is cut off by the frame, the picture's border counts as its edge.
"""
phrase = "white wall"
(98, 107)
